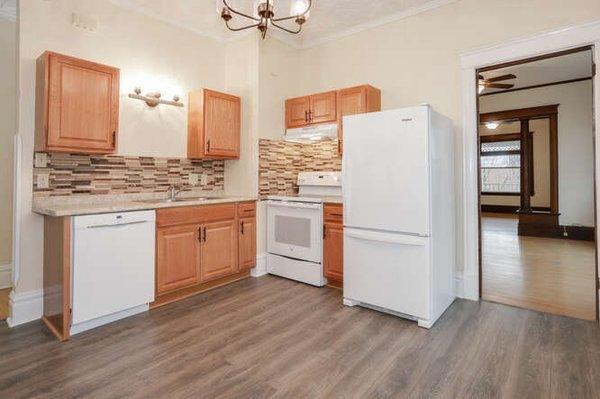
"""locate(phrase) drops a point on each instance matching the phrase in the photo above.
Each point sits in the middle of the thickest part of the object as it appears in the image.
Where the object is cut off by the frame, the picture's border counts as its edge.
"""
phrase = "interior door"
(386, 171)
(296, 111)
(83, 105)
(177, 257)
(323, 107)
(222, 124)
(219, 249)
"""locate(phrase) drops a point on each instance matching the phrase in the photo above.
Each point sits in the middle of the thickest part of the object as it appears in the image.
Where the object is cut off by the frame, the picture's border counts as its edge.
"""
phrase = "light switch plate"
(43, 180)
(41, 160)
(193, 179)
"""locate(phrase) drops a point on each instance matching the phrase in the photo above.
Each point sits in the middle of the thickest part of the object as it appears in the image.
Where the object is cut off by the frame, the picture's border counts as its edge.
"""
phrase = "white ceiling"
(329, 19)
(557, 69)
(8, 9)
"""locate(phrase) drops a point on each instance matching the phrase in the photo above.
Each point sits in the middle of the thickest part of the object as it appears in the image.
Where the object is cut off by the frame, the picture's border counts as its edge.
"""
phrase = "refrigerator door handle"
(391, 238)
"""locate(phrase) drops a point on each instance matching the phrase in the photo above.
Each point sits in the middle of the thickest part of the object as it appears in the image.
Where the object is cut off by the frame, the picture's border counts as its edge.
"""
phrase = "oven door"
(295, 230)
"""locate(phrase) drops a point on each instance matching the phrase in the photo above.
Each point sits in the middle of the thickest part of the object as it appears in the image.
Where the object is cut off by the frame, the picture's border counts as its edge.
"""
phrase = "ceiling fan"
(492, 83)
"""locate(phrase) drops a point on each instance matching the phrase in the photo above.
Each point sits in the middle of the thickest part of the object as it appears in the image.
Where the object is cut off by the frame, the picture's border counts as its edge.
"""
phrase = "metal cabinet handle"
(208, 146)
(204, 232)
(200, 234)
(305, 116)
(324, 229)
(242, 227)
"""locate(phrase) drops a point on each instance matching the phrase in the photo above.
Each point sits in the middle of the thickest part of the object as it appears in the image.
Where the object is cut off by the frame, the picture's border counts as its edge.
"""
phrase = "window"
(501, 167)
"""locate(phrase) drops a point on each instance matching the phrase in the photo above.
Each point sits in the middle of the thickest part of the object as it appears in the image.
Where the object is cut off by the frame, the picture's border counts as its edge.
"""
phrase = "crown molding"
(289, 40)
(430, 5)
(142, 10)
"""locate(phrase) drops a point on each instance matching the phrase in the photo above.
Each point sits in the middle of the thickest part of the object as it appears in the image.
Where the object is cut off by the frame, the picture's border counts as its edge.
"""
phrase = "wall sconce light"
(153, 98)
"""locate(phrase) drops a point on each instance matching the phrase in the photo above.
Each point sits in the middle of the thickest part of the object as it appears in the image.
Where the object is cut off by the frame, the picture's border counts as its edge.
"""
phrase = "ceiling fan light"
(299, 7)
(225, 14)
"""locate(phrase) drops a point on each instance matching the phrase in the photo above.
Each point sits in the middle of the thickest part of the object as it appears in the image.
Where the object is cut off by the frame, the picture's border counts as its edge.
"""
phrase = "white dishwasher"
(113, 267)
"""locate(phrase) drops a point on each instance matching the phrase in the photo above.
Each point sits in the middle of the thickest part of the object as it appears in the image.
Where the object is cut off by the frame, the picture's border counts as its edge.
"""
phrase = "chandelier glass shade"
(263, 16)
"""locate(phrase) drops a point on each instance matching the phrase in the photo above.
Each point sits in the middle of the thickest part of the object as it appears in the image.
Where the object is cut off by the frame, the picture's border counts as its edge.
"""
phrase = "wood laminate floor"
(546, 274)
(4, 303)
(269, 337)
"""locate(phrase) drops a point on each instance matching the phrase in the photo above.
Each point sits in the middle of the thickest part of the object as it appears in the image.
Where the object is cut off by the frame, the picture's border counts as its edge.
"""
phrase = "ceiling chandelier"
(264, 15)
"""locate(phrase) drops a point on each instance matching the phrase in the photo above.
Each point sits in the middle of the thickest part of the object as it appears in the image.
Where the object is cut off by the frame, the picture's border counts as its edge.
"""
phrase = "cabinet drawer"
(194, 214)
(333, 213)
(246, 209)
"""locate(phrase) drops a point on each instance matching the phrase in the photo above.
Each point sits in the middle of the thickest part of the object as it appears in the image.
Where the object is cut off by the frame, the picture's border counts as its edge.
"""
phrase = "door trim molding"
(566, 38)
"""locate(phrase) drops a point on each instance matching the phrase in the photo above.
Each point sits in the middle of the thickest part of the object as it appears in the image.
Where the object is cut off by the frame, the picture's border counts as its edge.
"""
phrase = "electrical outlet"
(193, 179)
(203, 179)
(43, 180)
(41, 160)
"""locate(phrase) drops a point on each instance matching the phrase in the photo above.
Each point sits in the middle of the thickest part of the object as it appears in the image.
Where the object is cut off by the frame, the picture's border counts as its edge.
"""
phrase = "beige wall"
(8, 127)
(575, 142)
(150, 53)
(417, 60)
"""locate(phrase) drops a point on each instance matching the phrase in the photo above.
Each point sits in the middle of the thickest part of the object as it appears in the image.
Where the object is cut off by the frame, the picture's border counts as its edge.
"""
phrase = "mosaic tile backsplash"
(72, 174)
(281, 161)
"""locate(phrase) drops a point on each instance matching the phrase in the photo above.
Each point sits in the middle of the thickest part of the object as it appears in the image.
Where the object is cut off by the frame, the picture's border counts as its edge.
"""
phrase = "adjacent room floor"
(271, 337)
(546, 274)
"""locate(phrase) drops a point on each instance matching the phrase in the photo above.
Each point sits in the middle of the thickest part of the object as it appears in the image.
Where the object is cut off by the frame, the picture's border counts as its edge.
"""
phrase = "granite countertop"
(56, 207)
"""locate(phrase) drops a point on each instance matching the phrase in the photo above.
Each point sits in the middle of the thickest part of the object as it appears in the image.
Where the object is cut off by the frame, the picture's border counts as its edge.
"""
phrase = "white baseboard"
(459, 287)
(25, 307)
(5, 276)
(261, 266)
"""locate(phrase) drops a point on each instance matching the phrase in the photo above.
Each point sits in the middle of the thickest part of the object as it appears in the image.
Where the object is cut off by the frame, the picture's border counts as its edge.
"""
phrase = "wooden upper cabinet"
(177, 257)
(219, 249)
(356, 100)
(323, 107)
(214, 125)
(296, 111)
(308, 110)
(77, 105)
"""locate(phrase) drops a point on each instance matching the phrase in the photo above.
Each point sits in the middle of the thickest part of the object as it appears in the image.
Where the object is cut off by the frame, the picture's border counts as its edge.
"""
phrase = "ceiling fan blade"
(498, 85)
(500, 78)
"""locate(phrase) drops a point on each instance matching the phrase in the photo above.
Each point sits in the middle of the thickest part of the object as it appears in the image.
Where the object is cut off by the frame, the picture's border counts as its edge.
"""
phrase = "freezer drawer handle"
(116, 224)
(385, 237)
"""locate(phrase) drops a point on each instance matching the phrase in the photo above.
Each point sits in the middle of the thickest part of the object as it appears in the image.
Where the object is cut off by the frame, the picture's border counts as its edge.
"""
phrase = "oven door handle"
(298, 205)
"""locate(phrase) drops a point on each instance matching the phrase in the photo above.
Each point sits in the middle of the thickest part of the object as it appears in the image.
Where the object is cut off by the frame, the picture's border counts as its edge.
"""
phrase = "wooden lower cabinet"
(333, 244)
(219, 250)
(247, 243)
(202, 247)
(177, 257)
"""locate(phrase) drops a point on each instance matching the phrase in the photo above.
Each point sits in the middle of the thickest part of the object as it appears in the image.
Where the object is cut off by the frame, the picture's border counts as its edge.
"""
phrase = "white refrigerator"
(399, 212)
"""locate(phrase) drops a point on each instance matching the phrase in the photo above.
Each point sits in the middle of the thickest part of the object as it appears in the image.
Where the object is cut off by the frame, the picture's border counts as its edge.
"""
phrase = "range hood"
(312, 134)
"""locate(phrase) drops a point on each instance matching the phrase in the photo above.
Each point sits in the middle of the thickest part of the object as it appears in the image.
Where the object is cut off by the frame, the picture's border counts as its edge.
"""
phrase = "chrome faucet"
(173, 191)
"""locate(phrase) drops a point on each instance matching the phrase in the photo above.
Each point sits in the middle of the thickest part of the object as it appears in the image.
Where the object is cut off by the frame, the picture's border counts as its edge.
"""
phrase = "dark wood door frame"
(524, 115)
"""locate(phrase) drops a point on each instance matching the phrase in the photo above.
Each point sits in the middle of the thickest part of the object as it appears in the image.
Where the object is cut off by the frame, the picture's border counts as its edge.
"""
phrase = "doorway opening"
(536, 184)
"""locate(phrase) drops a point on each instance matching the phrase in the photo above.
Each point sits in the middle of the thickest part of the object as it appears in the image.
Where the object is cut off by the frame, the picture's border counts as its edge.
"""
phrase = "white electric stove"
(295, 228)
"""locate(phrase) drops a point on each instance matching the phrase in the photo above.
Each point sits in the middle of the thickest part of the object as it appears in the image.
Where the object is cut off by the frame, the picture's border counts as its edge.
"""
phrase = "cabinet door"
(177, 257)
(247, 243)
(333, 251)
(221, 124)
(356, 100)
(82, 105)
(219, 249)
(296, 112)
(323, 107)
